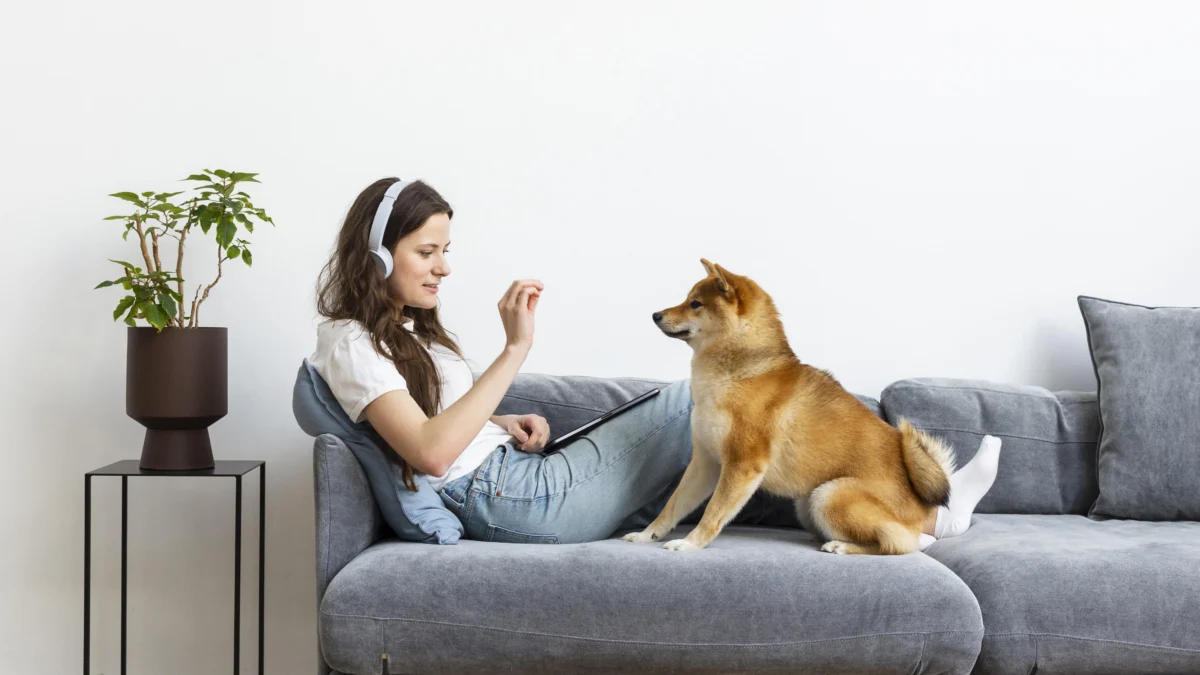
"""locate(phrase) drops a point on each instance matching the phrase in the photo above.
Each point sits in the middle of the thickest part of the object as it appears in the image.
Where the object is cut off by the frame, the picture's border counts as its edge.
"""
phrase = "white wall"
(924, 187)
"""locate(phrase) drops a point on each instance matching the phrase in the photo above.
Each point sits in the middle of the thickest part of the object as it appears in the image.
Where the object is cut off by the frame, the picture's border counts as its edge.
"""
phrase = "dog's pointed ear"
(723, 284)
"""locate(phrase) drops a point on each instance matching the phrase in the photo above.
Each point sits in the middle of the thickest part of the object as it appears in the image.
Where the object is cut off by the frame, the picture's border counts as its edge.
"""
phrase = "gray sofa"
(1034, 586)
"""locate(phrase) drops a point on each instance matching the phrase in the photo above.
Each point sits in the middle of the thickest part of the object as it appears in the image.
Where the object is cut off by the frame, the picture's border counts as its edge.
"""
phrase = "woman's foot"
(968, 485)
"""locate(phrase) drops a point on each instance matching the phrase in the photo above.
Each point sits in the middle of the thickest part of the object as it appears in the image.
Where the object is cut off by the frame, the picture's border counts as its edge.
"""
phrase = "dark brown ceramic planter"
(177, 385)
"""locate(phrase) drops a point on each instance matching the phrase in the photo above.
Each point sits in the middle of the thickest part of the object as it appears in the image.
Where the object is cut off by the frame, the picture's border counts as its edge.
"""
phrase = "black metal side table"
(223, 469)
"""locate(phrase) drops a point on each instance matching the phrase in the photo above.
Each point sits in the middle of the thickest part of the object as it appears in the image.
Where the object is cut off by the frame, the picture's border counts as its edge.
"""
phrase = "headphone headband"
(383, 258)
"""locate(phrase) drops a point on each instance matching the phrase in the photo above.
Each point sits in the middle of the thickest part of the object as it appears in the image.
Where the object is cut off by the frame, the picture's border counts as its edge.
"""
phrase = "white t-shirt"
(357, 375)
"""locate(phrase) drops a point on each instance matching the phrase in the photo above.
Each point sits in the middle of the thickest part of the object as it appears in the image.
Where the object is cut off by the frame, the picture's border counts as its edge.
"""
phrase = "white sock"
(925, 541)
(968, 485)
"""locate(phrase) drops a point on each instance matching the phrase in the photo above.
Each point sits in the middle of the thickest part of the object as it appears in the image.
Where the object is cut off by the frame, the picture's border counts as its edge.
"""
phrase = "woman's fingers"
(512, 296)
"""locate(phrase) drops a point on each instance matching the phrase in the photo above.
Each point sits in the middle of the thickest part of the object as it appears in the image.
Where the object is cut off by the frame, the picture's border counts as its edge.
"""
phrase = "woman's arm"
(431, 444)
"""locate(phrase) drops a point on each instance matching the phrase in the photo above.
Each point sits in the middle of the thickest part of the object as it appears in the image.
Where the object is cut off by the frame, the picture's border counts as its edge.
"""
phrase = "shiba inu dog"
(764, 419)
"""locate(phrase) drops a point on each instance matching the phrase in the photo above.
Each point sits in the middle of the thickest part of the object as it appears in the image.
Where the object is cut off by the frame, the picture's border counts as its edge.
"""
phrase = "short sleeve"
(354, 371)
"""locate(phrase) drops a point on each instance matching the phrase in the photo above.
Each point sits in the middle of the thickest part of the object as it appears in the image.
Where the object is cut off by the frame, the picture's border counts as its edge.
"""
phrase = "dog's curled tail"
(929, 462)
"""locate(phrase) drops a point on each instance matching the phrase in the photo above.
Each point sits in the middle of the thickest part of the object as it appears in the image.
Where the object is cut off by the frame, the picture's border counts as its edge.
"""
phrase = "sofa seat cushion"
(1067, 594)
(757, 597)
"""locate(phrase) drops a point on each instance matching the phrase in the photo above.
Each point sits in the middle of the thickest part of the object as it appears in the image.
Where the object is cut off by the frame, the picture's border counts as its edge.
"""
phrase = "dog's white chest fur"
(711, 423)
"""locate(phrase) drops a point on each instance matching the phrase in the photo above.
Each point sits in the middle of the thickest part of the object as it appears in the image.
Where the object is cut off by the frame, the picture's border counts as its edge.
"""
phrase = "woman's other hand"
(532, 432)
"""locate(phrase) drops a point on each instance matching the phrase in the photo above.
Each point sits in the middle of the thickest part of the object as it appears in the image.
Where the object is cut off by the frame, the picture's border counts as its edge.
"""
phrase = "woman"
(388, 360)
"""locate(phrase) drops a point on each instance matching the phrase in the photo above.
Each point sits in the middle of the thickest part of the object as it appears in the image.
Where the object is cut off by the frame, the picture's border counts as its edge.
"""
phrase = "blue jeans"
(617, 477)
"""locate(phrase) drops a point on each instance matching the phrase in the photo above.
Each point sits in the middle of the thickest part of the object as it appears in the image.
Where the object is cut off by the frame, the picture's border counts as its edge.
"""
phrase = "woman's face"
(419, 263)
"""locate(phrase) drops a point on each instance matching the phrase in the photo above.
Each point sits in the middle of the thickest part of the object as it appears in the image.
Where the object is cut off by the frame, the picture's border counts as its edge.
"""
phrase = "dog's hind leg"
(855, 522)
(804, 516)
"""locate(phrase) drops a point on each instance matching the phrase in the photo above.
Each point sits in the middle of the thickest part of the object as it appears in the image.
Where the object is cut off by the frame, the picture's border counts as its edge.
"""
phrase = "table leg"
(262, 549)
(237, 583)
(87, 574)
(124, 560)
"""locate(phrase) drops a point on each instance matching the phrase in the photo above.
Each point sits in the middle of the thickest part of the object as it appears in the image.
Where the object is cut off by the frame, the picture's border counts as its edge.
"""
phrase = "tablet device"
(572, 435)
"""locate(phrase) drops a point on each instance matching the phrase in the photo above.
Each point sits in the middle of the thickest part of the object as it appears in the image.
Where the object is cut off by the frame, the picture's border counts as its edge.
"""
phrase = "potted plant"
(176, 372)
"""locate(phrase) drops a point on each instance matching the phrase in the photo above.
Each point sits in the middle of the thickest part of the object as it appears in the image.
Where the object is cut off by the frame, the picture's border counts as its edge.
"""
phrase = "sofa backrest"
(1048, 439)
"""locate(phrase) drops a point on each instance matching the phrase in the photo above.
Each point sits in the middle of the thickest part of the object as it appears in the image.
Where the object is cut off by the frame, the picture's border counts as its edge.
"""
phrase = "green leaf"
(244, 177)
(129, 197)
(103, 284)
(222, 173)
(234, 252)
(122, 263)
(249, 227)
(118, 218)
(167, 195)
(246, 257)
(122, 306)
(125, 235)
(168, 305)
(155, 315)
(132, 314)
(242, 219)
(197, 176)
(225, 230)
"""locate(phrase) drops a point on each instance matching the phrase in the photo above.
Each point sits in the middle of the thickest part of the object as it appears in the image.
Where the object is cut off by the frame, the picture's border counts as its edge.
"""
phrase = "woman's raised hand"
(516, 311)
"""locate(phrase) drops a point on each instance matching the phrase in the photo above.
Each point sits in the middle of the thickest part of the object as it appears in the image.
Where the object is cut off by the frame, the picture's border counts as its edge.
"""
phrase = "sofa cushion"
(1048, 455)
(1067, 594)
(1147, 363)
(756, 598)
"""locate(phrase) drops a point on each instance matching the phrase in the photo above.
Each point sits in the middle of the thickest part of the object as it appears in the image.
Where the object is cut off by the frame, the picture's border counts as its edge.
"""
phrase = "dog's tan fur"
(762, 419)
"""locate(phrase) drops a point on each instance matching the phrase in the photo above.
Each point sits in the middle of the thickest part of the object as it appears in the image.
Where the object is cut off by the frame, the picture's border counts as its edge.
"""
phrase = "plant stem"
(179, 273)
(137, 219)
(154, 241)
(220, 259)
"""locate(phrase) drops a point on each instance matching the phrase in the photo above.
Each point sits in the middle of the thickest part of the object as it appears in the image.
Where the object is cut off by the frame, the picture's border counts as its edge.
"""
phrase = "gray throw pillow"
(1147, 362)
(419, 516)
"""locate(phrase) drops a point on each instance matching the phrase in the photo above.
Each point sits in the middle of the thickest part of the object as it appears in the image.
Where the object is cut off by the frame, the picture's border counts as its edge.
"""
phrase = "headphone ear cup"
(383, 263)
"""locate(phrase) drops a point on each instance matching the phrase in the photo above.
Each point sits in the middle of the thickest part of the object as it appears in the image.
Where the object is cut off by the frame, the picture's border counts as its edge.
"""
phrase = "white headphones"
(383, 257)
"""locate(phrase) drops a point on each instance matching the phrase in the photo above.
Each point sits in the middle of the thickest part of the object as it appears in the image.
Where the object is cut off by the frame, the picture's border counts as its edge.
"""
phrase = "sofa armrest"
(347, 518)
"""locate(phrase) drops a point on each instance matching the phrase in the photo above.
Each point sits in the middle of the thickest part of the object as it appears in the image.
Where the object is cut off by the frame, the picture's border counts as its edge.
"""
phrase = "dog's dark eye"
(695, 304)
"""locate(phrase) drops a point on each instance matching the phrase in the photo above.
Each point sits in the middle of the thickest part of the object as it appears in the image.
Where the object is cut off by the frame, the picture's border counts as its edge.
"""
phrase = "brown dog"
(764, 419)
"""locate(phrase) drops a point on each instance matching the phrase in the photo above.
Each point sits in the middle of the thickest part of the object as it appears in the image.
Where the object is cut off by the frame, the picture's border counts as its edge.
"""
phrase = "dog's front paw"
(836, 547)
(640, 537)
(680, 545)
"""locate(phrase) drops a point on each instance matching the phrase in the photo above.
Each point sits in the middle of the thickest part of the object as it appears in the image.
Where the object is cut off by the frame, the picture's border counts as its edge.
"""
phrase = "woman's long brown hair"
(351, 287)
